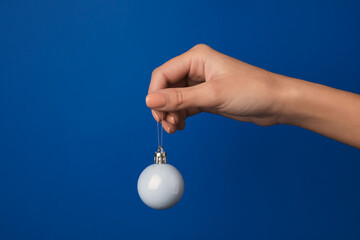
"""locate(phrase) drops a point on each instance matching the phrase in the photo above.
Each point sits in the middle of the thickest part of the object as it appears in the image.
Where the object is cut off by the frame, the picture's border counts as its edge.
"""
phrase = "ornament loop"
(160, 156)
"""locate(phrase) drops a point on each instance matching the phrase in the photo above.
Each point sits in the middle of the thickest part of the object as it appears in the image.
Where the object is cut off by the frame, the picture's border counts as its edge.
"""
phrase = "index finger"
(172, 71)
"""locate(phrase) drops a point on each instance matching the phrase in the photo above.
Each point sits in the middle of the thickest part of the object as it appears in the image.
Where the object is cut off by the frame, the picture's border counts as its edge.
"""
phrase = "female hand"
(204, 80)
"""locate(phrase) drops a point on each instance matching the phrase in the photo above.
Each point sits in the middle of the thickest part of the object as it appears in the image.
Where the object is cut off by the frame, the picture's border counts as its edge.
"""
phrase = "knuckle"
(176, 98)
(201, 47)
(155, 72)
(179, 98)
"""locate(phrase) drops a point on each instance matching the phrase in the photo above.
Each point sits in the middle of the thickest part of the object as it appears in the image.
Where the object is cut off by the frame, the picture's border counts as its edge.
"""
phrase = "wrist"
(295, 101)
(328, 111)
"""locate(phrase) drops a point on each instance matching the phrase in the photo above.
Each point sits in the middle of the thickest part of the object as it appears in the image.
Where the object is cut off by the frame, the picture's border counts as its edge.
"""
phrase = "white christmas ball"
(160, 186)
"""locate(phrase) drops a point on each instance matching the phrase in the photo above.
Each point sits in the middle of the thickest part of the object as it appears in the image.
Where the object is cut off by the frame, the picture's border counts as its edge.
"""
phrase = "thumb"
(176, 99)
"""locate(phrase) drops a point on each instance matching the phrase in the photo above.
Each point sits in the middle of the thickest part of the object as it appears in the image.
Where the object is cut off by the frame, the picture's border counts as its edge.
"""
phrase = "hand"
(204, 80)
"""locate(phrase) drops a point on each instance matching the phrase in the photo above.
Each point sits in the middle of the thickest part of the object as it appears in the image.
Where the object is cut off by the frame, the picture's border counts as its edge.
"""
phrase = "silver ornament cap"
(160, 156)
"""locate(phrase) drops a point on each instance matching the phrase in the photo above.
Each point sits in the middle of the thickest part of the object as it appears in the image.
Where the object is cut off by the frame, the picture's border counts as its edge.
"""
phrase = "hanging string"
(160, 131)
(157, 132)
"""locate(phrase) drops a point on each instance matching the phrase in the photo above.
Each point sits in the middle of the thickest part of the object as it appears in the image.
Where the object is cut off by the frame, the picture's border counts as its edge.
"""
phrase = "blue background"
(75, 132)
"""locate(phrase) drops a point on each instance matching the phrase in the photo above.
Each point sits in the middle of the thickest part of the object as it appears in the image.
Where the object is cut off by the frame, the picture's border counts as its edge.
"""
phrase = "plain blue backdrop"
(75, 132)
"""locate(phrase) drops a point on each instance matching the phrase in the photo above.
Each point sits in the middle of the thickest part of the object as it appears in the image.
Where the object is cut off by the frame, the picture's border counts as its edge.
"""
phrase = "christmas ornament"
(160, 185)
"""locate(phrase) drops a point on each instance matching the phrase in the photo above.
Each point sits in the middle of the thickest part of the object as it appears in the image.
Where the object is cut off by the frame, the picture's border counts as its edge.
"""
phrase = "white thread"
(160, 132)
(157, 132)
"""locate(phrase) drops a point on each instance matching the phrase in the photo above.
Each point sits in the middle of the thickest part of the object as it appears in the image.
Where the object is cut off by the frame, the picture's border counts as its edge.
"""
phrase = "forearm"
(330, 112)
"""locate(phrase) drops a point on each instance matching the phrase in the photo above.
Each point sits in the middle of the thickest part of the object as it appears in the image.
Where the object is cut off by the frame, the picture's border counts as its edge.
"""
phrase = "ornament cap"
(160, 156)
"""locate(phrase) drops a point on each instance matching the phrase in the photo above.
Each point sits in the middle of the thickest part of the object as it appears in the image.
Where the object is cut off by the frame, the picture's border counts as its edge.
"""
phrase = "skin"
(204, 80)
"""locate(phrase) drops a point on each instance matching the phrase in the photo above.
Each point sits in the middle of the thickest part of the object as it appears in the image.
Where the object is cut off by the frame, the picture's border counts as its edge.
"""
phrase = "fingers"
(174, 121)
(169, 124)
(168, 127)
(172, 71)
(173, 118)
(170, 105)
(176, 99)
(190, 63)
(157, 115)
(171, 115)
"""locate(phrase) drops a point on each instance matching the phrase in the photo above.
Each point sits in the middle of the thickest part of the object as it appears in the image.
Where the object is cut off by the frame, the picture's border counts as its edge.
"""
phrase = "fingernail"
(155, 100)
(172, 120)
(156, 115)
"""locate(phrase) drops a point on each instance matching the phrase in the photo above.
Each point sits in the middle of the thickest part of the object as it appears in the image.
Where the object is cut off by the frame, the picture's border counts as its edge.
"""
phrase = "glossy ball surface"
(160, 186)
